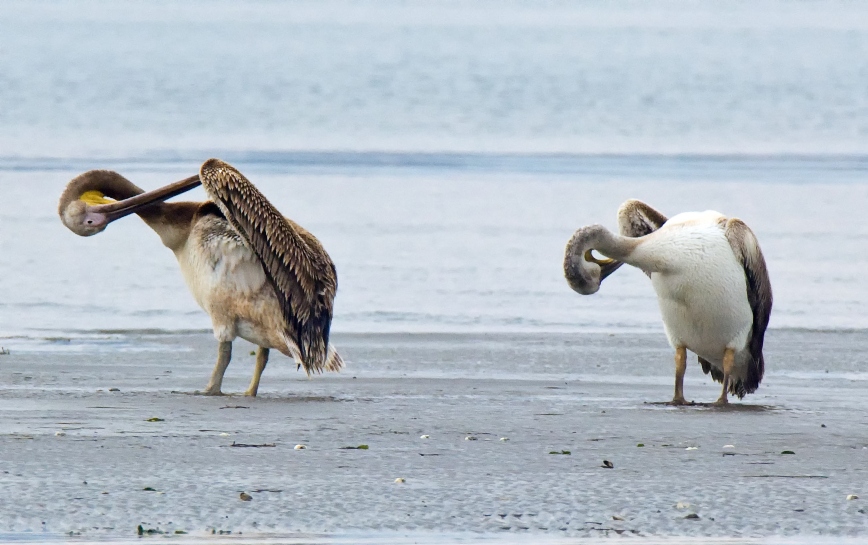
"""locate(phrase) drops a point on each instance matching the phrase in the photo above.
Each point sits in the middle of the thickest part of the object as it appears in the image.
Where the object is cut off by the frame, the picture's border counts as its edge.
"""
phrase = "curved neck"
(585, 276)
(171, 221)
(105, 182)
(600, 239)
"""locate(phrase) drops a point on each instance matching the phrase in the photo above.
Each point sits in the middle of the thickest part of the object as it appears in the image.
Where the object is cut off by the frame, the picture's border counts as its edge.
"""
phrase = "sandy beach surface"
(496, 436)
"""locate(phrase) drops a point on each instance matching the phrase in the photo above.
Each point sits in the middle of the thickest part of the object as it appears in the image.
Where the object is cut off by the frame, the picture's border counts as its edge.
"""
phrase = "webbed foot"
(211, 391)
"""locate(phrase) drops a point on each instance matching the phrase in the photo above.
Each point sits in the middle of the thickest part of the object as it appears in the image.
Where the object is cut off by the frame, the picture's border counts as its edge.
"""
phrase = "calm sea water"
(443, 151)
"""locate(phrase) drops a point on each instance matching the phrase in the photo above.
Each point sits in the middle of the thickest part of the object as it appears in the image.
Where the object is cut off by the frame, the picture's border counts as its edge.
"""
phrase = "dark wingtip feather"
(759, 294)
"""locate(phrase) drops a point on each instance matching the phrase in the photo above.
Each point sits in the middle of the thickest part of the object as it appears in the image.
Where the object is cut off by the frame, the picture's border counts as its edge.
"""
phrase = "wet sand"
(77, 457)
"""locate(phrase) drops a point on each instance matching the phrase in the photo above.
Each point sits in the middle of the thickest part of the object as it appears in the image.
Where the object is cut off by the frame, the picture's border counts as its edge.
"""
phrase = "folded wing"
(759, 295)
(637, 219)
(296, 264)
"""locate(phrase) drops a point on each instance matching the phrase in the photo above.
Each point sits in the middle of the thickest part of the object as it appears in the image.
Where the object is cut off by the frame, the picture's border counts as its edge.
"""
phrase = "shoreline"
(61, 425)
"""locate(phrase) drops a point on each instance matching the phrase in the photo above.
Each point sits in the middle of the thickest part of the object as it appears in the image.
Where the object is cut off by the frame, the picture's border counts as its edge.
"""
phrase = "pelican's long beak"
(112, 210)
(607, 266)
(589, 256)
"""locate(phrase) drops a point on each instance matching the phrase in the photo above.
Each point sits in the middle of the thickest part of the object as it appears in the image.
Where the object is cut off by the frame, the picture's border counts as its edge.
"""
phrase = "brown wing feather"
(759, 295)
(637, 219)
(299, 269)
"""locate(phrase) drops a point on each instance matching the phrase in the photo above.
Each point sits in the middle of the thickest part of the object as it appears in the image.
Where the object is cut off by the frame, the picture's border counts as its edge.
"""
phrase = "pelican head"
(98, 197)
(584, 271)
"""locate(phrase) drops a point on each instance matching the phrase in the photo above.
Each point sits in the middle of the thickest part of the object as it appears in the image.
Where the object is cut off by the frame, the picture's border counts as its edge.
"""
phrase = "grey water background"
(442, 151)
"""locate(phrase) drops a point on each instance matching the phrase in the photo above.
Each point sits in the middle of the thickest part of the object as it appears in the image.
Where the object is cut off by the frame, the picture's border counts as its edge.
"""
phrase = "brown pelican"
(259, 276)
(711, 282)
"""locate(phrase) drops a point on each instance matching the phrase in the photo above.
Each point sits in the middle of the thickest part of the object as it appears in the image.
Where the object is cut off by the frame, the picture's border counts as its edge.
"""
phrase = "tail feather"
(737, 386)
(716, 374)
(333, 361)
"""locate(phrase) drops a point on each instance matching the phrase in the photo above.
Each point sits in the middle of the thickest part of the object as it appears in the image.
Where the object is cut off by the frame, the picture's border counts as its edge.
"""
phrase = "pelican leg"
(261, 362)
(224, 355)
(728, 363)
(680, 368)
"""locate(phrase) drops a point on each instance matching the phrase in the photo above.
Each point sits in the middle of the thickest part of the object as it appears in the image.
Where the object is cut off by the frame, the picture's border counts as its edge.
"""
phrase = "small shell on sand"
(400, 480)
(224, 434)
(682, 505)
(728, 446)
(692, 448)
(504, 438)
(852, 497)
(425, 437)
(59, 433)
(300, 447)
(470, 438)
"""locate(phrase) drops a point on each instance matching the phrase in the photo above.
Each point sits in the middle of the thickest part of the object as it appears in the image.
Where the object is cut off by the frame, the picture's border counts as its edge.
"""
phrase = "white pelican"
(711, 282)
(259, 276)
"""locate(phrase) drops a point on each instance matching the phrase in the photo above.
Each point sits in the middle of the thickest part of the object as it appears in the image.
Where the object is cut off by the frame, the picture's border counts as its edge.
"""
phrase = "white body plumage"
(701, 287)
(711, 281)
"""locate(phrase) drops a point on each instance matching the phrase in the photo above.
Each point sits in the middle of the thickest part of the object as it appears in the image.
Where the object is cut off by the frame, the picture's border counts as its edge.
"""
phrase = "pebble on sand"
(245, 496)
(59, 433)
(682, 505)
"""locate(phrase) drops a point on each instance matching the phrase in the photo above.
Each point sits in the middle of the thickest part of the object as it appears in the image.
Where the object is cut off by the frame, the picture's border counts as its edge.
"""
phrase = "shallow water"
(446, 248)
(443, 152)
